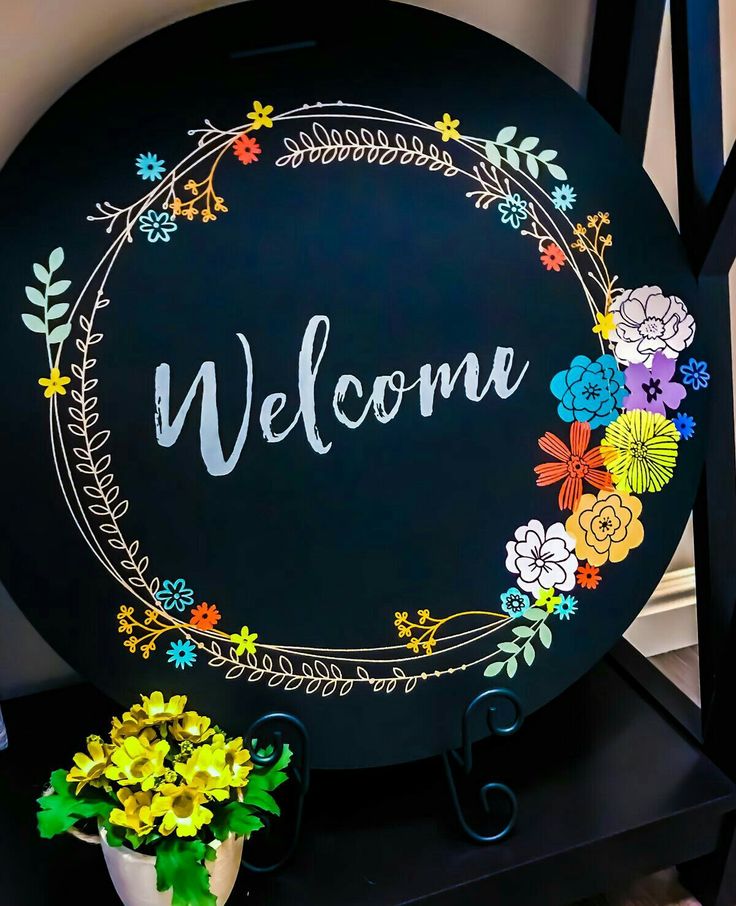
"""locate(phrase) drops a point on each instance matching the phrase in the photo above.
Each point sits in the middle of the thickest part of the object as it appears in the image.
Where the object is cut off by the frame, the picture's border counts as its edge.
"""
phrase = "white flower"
(542, 558)
(646, 321)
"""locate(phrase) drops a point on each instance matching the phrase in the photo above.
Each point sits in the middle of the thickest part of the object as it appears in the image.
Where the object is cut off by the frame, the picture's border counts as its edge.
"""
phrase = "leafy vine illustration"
(524, 644)
(51, 312)
(501, 148)
(144, 635)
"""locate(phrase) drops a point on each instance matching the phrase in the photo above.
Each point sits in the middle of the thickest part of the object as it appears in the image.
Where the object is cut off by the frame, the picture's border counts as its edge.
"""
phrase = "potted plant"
(170, 798)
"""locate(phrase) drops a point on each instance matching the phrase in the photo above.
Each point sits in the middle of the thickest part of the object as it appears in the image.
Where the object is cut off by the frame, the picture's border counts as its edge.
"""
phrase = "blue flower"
(564, 197)
(150, 166)
(589, 391)
(567, 607)
(513, 210)
(514, 602)
(157, 225)
(182, 654)
(685, 424)
(695, 374)
(175, 594)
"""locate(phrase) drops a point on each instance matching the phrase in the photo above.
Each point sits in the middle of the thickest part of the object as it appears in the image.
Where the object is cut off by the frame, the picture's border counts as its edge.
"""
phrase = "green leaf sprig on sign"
(524, 644)
(44, 299)
(501, 148)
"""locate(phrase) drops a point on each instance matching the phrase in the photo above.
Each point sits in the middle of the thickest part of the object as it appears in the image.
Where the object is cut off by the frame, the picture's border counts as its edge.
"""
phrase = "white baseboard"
(669, 619)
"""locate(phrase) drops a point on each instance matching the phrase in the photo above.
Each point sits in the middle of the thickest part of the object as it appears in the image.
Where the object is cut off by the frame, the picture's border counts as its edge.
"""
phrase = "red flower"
(246, 149)
(588, 576)
(553, 257)
(205, 616)
(575, 465)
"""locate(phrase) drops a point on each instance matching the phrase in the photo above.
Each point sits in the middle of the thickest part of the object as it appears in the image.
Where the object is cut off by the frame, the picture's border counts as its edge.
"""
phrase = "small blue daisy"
(567, 607)
(175, 595)
(564, 197)
(157, 226)
(695, 374)
(514, 602)
(150, 166)
(182, 654)
(685, 424)
(513, 210)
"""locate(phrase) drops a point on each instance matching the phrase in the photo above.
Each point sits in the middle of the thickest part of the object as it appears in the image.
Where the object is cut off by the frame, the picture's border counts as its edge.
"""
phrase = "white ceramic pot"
(134, 874)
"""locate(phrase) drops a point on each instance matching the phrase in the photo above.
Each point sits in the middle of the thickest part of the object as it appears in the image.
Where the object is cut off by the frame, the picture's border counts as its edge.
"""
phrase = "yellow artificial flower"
(260, 115)
(181, 809)
(640, 451)
(606, 527)
(128, 725)
(448, 127)
(207, 770)
(90, 768)
(54, 383)
(191, 726)
(138, 761)
(604, 324)
(245, 641)
(237, 758)
(157, 710)
(135, 813)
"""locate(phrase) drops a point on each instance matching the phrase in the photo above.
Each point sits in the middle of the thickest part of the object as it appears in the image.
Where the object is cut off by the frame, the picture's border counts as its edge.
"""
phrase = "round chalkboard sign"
(357, 371)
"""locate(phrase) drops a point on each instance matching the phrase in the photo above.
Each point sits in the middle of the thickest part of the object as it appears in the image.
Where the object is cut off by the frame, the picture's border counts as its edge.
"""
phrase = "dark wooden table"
(608, 789)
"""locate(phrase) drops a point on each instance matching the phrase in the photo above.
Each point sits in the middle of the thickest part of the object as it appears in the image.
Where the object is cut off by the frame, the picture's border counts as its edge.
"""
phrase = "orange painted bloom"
(576, 464)
(553, 257)
(246, 149)
(588, 576)
(205, 616)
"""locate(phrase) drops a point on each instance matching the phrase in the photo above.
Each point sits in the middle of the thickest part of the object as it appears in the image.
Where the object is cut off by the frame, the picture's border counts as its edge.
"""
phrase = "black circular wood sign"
(352, 368)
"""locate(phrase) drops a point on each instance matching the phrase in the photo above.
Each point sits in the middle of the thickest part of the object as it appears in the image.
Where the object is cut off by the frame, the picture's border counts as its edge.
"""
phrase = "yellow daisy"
(260, 115)
(206, 769)
(640, 451)
(135, 813)
(237, 758)
(191, 726)
(181, 809)
(90, 768)
(138, 761)
(448, 127)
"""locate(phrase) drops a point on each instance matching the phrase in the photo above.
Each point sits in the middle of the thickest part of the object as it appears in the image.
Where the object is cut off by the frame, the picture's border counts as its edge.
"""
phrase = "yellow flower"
(547, 598)
(640, 451)
(54, 383)
(90, 768)
(138, 761)
(604, 324)
(448, 127)
(158, 710)
(191, 726)
(136, 812)
(207, 770)
(181, 809)
(237, 758)
(245, 641)
(128, 725)
(260, 115)
(606, 527)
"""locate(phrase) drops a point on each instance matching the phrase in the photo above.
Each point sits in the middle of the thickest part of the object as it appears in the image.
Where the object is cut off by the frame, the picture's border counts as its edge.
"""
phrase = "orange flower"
(588, 576)
(553, 257)
(205, 616)
(575, 465)
(246, 149)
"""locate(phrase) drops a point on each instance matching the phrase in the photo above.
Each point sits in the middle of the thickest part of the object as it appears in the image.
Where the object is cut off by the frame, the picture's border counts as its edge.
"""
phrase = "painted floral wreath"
(630, 394)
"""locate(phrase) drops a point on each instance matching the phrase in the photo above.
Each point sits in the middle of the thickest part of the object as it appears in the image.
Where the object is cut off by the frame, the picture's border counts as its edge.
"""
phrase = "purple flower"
(653, 388)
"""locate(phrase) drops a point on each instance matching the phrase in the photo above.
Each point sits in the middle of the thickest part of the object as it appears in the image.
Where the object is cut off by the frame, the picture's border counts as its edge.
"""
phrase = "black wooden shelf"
(609, 788)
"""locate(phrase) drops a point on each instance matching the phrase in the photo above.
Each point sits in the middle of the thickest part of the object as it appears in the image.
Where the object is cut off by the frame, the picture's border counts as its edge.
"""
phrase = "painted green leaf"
(529, 654)
(534, 614)
(547, 155)
(35, 296)
(493, 669)
(34, 323)
(528, 143)
(56, 259)
(545, 635)
(509, 647)
(556, 171)
(60, 333)
(56, 311)
(506, 134)
(511, 667)
(523, 632)
(180, 867)
(513, 158)
(532, 165)
(61, 286)
(493, 155)
(42, 275)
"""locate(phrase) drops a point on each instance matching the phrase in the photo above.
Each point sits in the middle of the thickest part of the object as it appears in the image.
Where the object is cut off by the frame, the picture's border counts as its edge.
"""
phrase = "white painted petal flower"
(646, 322)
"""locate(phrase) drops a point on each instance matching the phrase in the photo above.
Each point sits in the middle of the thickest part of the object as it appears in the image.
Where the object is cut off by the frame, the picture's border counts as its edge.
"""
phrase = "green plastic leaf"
(511, 667)
(42, 275)
(235, 818)
(493, 154)
(56, 259)
(36, 296)
(545, 635)
(513, 158)
(509, 647)
(506, 134)
(34, 323)
(180, 867)
(532, 165)
(114, 833)
(523, 632)
(556, 171)
(534, 614)
(547, 155)
(260, 798)
(494, 669)
(529, 654)
(61, 286)
(56, 311)
(62, 809)
(527, 144)
(60, 333)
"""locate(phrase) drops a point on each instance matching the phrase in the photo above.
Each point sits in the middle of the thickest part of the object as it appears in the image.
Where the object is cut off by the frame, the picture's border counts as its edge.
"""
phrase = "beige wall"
(47, 45)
